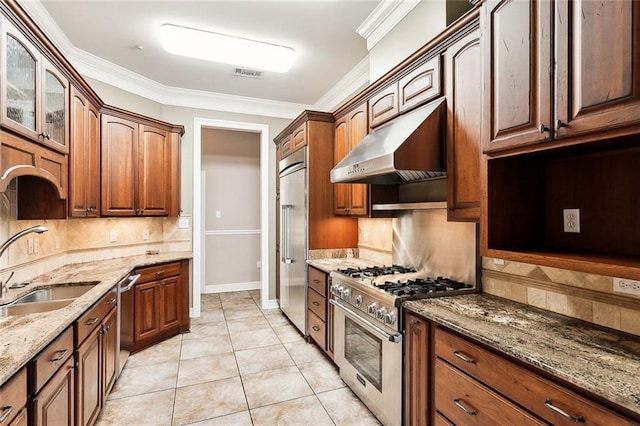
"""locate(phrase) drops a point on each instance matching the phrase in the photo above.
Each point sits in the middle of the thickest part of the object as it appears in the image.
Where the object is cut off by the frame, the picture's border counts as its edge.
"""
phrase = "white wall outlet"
(258, 264)
(183, 223)
(498, 261)
(218, 214)
(36, 245)
(145, 234)
(624, 285)
(113, 237)
(365, 237)
(30, 246)
(571, 220)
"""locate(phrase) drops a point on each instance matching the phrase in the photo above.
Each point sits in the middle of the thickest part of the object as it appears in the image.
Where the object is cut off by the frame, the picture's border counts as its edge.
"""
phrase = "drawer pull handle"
(316, 328)
(549, 404)
(464, 357)
(316, 281)
(111, 301)
(316, 303)
(464, 408)
(92, 320)
(159, 273)
(6, 410)
(61, 354)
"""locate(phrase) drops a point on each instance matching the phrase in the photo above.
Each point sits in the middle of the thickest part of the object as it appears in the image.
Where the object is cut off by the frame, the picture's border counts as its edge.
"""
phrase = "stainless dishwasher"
(125, 317)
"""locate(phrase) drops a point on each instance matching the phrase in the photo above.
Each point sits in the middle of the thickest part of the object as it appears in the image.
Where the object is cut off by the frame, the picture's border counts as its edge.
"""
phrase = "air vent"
(243, 72)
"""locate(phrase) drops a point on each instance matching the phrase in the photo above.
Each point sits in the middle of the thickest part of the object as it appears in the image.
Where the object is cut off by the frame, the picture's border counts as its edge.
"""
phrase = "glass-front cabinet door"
(35, 95)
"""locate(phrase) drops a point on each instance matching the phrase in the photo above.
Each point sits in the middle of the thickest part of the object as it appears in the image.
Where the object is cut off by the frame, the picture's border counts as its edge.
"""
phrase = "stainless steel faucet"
(38, 229)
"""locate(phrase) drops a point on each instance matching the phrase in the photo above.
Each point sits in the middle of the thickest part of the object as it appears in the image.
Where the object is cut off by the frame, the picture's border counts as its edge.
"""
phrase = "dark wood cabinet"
(140, 167)
(557, 70)
(160, 304)
(110, 352)
(13, 399)
(55, 403)
(89, 379)
(350, 128)
(35, 94)
(320, 311)
(416, 371)
(84, 157)
(463, 78)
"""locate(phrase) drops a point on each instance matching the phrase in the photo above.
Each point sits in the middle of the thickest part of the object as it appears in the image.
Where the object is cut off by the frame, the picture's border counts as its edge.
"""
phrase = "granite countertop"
(333, 264)
(600, 360)
(23, 336)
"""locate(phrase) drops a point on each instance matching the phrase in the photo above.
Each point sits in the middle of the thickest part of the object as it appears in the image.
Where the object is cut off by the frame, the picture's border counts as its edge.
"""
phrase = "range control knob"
(334, 289)
(340, 291)
(359, 300)
(380, 313)
(346, 293)
(390, 318)
(372, 308)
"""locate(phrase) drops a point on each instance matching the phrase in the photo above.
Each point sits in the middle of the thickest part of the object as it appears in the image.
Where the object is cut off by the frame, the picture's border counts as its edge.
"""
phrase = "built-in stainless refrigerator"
(293, 238)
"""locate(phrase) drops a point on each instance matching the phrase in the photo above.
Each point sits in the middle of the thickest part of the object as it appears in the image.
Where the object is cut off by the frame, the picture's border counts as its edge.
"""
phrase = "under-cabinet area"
(471, 359)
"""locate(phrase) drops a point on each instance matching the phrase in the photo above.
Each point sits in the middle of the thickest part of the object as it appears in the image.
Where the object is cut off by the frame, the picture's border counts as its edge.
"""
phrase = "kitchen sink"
(47, 299)
(33, 307)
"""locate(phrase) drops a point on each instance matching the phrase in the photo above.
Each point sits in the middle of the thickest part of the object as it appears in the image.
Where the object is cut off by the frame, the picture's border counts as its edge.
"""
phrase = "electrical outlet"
(623, 285)
(113, 237)
(571, 220)
(218, 214)
(183, 223)
(498, 261)
(30, 246)
(145, 234)
(258, 264)
(36, 245)
(365, 237)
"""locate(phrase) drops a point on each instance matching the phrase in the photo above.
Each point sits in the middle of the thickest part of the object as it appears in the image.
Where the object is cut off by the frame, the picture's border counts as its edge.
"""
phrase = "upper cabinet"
(140, 166)
(350, 128)
(35, 95)
(84, 157)
(559, 69)
(464, 112)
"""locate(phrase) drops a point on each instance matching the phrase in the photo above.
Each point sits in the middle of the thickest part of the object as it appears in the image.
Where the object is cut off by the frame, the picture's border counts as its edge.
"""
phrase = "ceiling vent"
(245, 72)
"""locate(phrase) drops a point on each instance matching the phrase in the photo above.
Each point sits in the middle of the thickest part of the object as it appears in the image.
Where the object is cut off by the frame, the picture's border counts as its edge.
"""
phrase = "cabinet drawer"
(158, 272)
(22, 419)
(440, 420)
(13, 396)
(47, 362)
(533, 392)
(317, 330)
(465, 401)
(90, 320)
(318, 304)
(318, 281)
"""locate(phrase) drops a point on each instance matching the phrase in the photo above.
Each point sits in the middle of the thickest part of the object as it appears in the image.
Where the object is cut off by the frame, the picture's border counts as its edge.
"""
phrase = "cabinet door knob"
(542, 128)
(560, 124)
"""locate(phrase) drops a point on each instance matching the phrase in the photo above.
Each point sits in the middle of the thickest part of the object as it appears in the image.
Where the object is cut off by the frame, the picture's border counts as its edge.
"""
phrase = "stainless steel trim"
(411, 206)
(133, 279)
(286, 234)
(393, 338)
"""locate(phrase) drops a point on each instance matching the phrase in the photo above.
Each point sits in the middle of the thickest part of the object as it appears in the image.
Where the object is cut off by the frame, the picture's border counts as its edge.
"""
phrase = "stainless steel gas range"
(368, 329)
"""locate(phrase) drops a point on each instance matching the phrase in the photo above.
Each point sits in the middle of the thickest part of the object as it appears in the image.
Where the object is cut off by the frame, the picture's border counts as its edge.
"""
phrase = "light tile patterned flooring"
(238, 366)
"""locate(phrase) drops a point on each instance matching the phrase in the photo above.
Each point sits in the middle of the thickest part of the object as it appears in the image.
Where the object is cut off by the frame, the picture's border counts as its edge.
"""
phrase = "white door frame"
(263, 129)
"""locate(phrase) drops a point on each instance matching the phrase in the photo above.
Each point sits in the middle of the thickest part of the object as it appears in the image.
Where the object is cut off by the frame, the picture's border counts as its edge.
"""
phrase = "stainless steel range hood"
(408, 148)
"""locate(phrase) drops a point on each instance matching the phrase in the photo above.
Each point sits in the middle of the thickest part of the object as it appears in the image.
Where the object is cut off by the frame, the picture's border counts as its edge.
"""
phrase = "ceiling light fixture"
(226, 49)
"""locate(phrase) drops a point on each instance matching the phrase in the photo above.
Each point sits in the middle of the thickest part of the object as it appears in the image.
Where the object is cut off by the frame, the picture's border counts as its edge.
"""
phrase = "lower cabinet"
(320, 311)
(161, 303)
(96, 357)
(452, 380)
(13, 400)
(51, 383)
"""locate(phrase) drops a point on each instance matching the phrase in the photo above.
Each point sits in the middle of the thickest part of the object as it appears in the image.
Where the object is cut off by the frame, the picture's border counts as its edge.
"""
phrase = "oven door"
(370, 362)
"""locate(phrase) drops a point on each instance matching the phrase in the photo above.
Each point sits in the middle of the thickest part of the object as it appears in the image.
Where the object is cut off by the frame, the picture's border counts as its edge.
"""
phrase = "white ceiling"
(122, 37)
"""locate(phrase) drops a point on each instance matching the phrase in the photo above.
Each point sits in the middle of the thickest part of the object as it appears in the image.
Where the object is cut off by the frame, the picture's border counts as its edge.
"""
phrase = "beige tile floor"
(238, 366)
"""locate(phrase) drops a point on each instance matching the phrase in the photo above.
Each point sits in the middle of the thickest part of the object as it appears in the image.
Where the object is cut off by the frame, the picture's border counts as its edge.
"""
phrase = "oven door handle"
(393, 338)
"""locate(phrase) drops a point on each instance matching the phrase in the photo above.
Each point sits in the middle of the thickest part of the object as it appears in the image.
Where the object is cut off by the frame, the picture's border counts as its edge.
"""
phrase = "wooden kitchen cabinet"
(161, 308)
(463, 78)
(140, 166)
(583, 53)
(84, 157)
(383, 106)
(96, 354)
(320, 318)
(350, 199)
(417, 380)
(51, 383)
(13, 399)
(35, 94)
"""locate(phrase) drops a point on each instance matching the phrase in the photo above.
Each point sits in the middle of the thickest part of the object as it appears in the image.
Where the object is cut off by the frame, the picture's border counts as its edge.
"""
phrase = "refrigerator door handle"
(286, 234)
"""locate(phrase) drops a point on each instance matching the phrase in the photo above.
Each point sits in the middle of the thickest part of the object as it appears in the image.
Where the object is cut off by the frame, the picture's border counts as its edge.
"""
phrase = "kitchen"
(521, 269)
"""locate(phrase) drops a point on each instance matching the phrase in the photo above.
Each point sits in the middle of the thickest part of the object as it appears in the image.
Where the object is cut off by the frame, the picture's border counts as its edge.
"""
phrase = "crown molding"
(354, 81)
(99, 69)
(383, 19)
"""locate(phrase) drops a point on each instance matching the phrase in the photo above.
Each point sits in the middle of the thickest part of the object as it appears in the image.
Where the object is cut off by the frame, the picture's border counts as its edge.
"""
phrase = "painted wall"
(231, 162)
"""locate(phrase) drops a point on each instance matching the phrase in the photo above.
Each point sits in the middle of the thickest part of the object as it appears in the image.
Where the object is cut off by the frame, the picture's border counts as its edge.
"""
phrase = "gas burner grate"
(376, 271)
(422, 286)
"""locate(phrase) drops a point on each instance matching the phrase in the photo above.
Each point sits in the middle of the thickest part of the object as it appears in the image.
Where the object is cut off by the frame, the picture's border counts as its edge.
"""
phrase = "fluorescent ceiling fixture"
(226, 49)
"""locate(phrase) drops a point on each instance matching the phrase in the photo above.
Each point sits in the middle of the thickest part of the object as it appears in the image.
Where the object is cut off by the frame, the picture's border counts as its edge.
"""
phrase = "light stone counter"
(600, 360)
(23, 336)
(333, 264)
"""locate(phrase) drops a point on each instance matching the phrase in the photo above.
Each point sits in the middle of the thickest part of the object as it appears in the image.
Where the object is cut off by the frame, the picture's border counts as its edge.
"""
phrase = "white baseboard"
(272, 304)
(225, 288)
